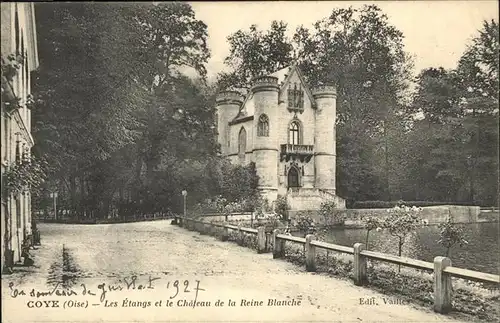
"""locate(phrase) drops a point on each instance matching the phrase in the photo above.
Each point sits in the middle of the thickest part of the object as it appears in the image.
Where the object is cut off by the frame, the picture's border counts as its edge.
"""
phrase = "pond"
(481, 253)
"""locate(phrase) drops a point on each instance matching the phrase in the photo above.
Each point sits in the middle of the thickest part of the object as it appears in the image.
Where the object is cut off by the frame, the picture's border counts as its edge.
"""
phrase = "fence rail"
(441, 267)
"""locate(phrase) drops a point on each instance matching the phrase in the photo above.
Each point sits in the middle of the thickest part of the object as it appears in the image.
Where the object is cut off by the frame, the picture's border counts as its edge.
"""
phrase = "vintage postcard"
(274, 161)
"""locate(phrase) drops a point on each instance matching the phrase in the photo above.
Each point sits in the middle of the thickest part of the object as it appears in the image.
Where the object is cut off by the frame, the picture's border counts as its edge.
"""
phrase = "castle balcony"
(302, 152)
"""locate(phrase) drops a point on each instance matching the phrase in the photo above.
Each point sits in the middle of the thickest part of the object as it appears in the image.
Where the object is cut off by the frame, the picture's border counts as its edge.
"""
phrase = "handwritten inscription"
(103, 289)
(179, 293)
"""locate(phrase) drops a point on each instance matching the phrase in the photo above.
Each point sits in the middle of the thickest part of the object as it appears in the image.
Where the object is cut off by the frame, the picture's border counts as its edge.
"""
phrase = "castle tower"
(325, 144)
(228, 105)
(265, 91)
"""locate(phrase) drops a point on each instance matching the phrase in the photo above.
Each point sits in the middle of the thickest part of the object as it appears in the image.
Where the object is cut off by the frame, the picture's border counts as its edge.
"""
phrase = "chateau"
(288, 131)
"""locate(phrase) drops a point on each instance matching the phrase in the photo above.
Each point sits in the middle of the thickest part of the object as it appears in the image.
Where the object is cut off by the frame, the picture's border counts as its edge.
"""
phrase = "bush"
(331, 215)
(401, 222)
(305, 224)
(391, 204)
(450, 234)
(281, 207)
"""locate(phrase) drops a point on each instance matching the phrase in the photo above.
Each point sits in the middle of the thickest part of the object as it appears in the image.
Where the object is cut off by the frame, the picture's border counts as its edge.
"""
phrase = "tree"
(360, 52)
(450, 235)
(371, 223)
(459, 134)
(330, 214)
(254, 53)
(401, 222)
(111, 99)
(85, 93)
(172, 39)
(281, 207)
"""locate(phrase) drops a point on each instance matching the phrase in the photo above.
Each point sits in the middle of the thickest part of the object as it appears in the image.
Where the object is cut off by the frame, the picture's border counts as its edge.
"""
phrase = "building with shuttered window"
(19, 59)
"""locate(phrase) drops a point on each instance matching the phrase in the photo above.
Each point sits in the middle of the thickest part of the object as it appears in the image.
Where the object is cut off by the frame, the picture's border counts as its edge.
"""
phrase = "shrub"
(391, 204)
(281, 207)
(450, 235)
(401, 222)
(331, 215)
(371, 223)
(305, 224)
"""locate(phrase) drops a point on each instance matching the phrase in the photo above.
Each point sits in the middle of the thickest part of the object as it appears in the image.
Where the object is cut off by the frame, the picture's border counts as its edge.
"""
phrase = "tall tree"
(110, 87)
(460, 129)
(255, 52)
(363, 54)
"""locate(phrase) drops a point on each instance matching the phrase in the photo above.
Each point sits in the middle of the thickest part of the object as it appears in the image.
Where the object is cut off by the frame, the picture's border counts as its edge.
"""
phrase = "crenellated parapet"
(265, 83)
(324, 91)
(229, 97)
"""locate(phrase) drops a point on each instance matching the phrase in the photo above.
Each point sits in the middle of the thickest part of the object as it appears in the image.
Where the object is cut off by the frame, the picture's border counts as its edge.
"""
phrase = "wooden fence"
(441, 267)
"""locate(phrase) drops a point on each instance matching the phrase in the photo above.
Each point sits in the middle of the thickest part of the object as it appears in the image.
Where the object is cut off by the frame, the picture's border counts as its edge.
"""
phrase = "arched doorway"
(293, 177)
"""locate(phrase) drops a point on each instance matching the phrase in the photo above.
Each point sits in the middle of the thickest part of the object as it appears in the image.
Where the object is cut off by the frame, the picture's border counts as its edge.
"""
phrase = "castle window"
(294, 133)
(242, 144)
(18, 150)
(295, 97)
(263, 126)
(16, 31)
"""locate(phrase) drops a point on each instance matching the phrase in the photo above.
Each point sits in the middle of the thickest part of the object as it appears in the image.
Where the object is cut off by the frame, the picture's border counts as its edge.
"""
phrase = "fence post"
(261, 239)
(310, 253)
(225, 233)
(442, 285)
(239, 237)
(211, 229)
(203, 228)
(278, 245)
(359, 265)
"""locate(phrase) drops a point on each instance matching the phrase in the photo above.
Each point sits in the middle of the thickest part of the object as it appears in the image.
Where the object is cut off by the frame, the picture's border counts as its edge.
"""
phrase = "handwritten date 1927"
(128, 283)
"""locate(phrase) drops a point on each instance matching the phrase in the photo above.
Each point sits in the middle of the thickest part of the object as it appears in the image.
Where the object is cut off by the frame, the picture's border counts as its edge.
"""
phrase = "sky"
(436, 32)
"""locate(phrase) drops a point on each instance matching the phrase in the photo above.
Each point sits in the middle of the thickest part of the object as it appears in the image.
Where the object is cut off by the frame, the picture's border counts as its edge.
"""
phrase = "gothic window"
(263, 126)
(295, 97)
(16, 31)
(26, 68)
(242, 144)
(18, 151)
(294, 133)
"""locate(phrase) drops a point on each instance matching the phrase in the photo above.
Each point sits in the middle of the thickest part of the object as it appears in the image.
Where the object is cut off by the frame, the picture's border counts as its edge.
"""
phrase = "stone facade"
(18, 35)
(288, 131)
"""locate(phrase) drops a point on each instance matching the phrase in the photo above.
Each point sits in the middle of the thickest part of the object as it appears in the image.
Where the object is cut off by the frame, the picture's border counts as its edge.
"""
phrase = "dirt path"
(111, 253)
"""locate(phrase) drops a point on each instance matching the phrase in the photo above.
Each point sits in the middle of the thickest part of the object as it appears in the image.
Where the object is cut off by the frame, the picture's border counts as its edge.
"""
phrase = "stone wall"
(311, 199)
(432, 214)
(231, 217)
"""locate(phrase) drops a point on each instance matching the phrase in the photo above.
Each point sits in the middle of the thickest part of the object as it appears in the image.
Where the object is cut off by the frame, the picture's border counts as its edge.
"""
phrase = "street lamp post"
(54, 197)
(184, 194)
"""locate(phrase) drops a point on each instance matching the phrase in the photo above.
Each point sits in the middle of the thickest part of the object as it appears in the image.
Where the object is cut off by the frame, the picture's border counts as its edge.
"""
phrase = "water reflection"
(480, 254)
